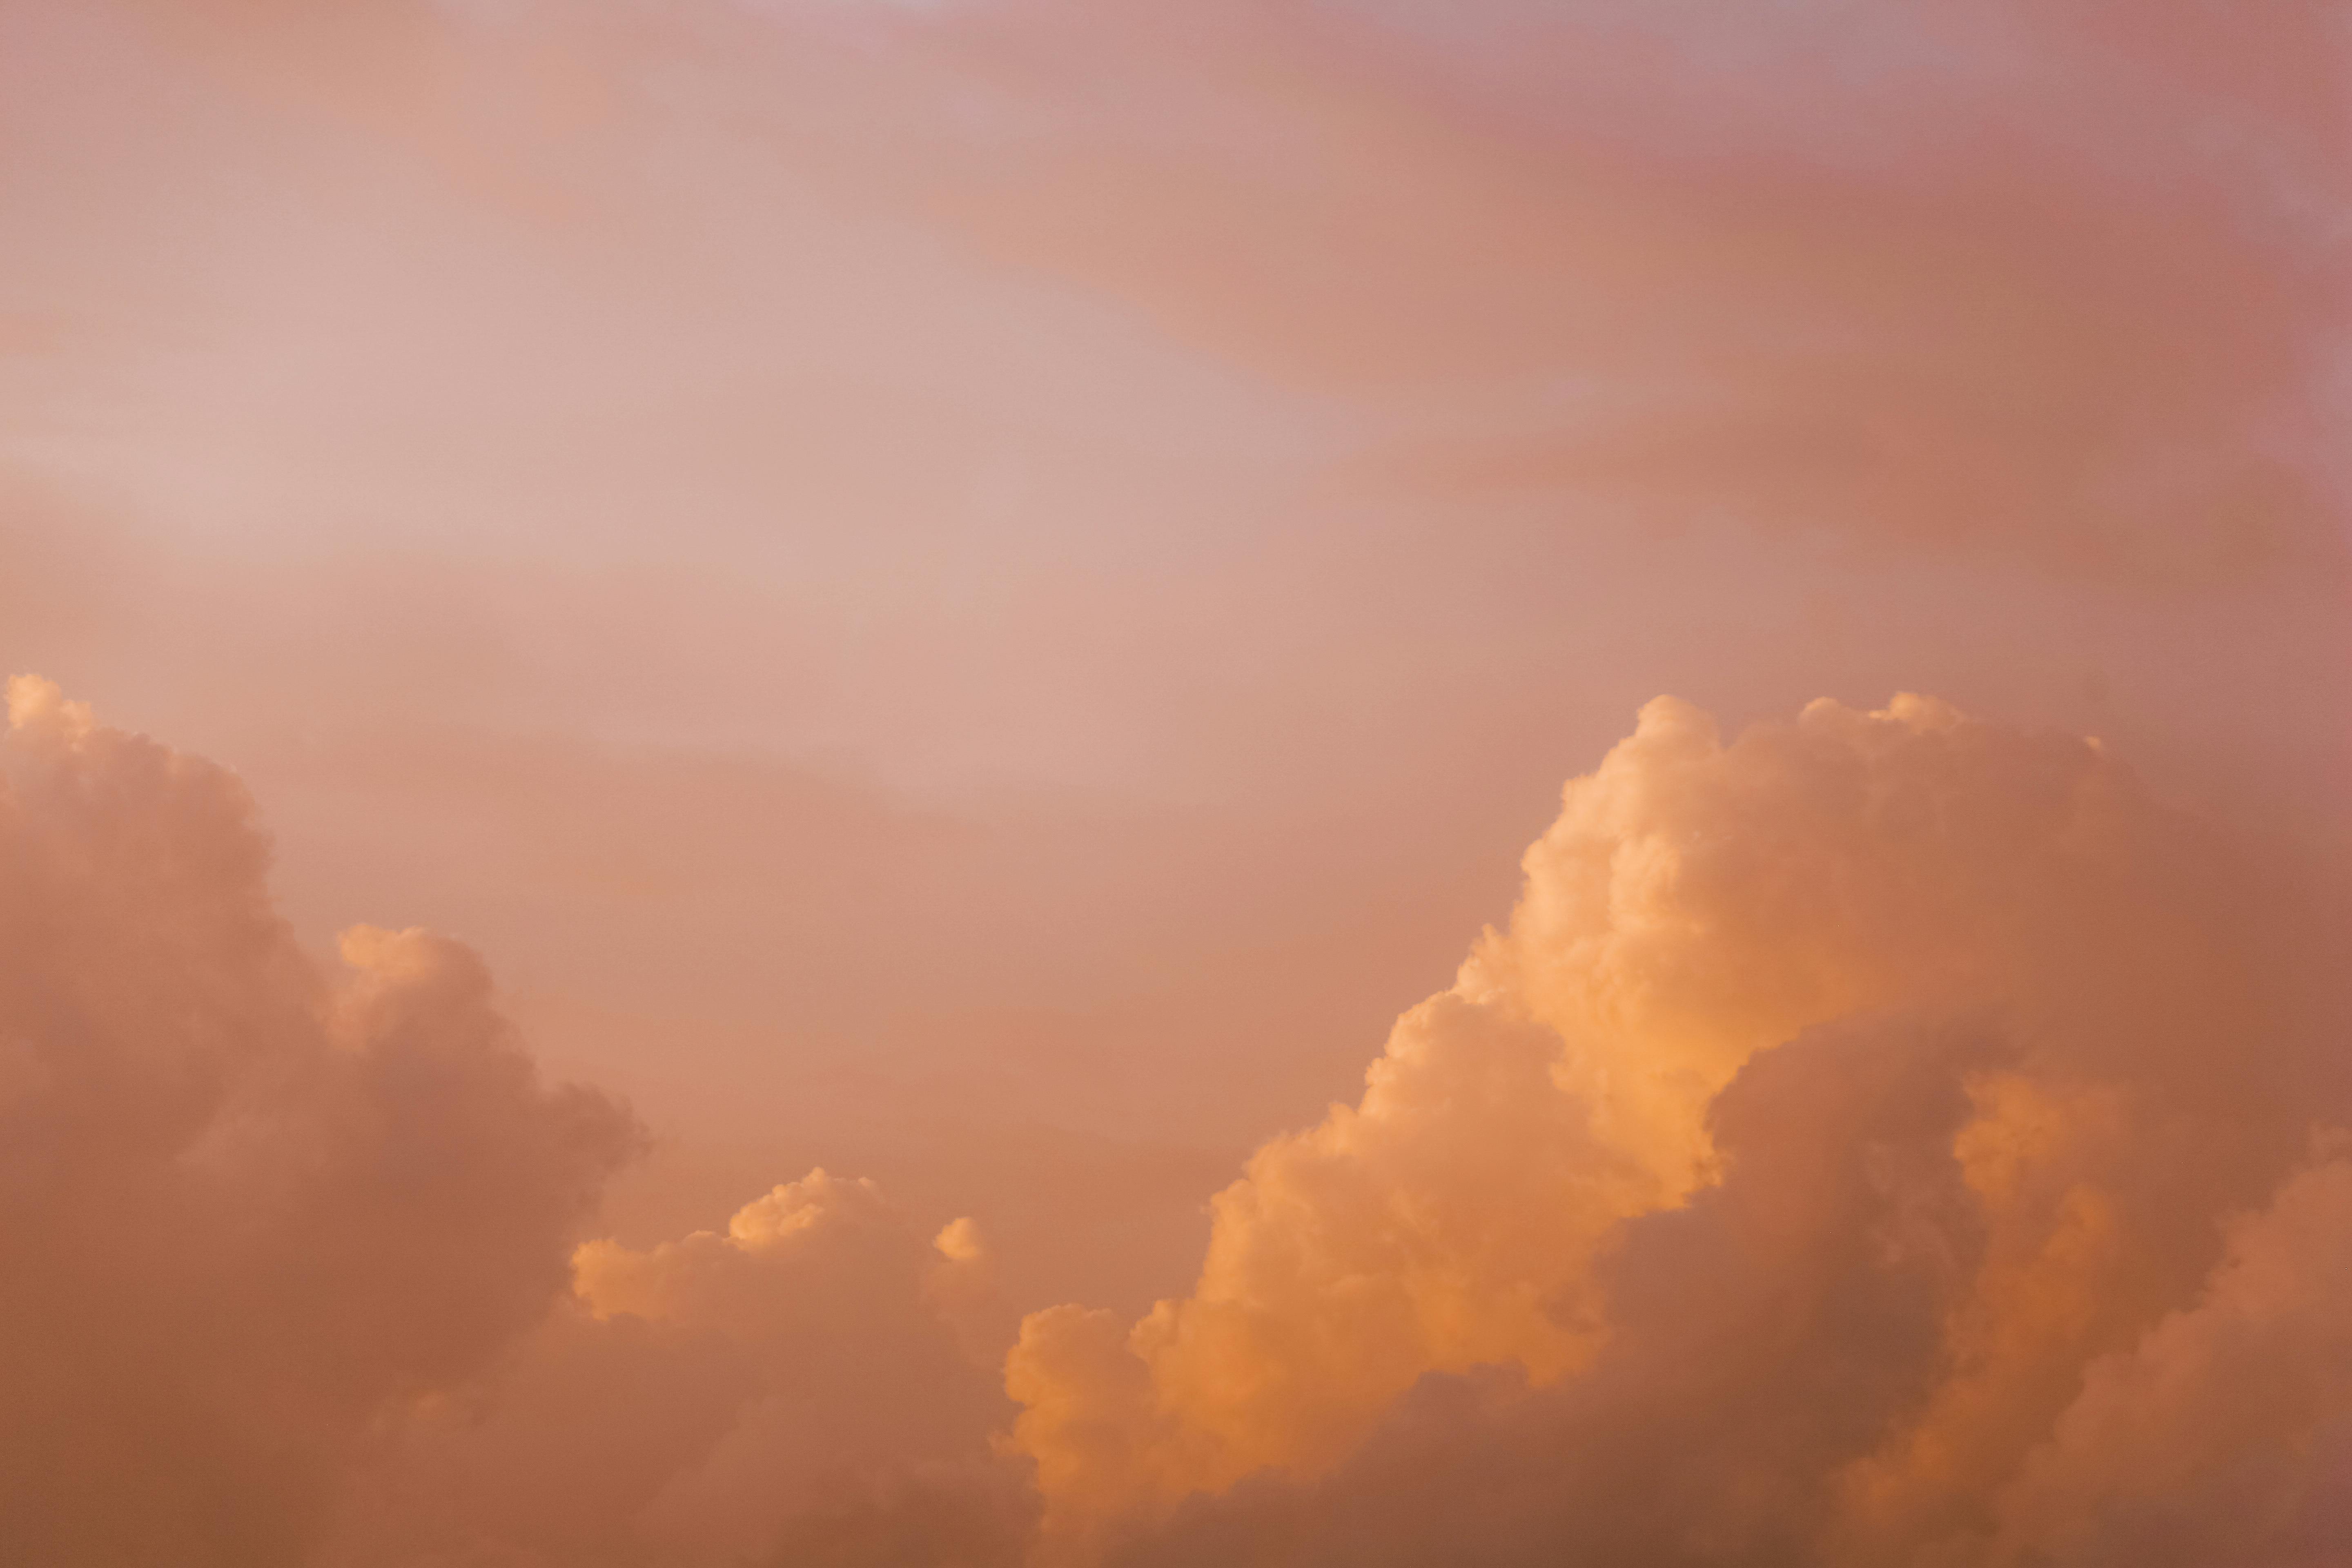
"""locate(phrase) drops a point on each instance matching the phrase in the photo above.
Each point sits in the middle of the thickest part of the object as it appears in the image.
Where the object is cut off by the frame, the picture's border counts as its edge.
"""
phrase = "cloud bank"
(1880, 1137)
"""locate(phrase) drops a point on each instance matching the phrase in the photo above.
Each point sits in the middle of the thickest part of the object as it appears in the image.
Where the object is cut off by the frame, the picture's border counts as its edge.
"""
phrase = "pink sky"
(980, 593)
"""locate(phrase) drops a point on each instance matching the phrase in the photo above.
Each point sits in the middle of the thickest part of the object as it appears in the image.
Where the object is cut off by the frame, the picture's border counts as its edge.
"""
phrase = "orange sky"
(980, 593)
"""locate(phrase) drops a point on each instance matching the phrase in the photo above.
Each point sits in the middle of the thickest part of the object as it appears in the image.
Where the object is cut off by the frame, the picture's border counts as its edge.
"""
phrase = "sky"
(993, 781)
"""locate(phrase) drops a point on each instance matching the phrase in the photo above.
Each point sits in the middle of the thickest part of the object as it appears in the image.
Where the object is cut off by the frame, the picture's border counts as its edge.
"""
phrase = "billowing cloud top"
(1825, 1139)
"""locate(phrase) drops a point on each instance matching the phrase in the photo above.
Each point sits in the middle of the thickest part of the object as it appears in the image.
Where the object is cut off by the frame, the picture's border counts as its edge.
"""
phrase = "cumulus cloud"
(800, 1388)
(243, 1206)
(291, 1268)
(2225, 1433)
(1817, 1153)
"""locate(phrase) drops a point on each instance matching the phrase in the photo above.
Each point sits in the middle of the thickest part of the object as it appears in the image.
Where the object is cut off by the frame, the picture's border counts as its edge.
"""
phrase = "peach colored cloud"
(1635, 1155)
(287, 1253)
(808, 1385)
(247, 1206)
(1877, 1137)
(2225, 1433)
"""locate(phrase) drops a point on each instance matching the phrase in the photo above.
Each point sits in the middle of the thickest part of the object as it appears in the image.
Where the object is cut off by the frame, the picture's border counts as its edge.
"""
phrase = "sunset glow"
(1004, 784)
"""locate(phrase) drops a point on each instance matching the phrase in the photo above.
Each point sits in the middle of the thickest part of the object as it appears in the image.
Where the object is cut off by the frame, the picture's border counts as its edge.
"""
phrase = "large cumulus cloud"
(1837, 1154)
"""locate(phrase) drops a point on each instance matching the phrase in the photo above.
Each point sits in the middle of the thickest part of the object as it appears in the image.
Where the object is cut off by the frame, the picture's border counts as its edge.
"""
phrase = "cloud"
(292, 1260)
(2223, 1434)
(1877, 1137)
(1766, 1332)
(805, 1387)
(247, 1206)
(2045, 285)
(1776, 1329)
(1839, 1101)
(840, 1304)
